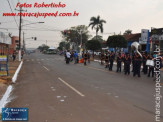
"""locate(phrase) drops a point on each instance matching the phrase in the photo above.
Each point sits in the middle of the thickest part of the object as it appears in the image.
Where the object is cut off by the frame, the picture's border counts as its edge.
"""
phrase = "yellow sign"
(3, 73)
(3, 58)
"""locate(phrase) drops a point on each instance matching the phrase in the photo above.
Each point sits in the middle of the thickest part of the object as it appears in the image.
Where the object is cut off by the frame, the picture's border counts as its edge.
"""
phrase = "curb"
(14, 78)
(5, 98)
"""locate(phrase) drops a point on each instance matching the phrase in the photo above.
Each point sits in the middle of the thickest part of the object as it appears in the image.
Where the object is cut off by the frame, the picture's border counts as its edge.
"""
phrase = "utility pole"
(20, 26)
(20, 33)
(23, 42)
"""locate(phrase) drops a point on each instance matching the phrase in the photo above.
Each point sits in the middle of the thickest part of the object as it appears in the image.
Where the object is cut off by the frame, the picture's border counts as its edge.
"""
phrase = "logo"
(14, 114)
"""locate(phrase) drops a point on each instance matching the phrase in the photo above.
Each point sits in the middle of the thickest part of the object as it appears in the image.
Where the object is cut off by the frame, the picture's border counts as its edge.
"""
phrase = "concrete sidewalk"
(7, 80)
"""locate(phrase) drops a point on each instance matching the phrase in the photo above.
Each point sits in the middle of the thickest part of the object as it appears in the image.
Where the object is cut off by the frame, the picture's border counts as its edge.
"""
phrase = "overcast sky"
(119, 14)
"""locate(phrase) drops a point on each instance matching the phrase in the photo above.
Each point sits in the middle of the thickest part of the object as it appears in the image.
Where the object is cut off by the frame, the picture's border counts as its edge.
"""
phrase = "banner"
(144, 36)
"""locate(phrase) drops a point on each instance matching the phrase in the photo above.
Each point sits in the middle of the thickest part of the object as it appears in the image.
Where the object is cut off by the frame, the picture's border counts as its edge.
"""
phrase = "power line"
(12, 12)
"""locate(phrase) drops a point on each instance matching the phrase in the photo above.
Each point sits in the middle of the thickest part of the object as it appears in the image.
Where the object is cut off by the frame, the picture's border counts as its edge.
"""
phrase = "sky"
(120, 15)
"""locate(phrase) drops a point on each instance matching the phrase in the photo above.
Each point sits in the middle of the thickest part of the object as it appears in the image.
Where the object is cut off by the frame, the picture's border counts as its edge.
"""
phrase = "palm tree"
(97, 24)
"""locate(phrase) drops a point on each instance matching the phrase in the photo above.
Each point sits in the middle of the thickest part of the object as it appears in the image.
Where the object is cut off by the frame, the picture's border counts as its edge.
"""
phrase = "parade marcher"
(119, 62)
(111, 60)
(151, 68)
(137, 65)
(127, 62)
(68, 55)
(106, 60)
(133, 61)
(145, 67)
(85, 58)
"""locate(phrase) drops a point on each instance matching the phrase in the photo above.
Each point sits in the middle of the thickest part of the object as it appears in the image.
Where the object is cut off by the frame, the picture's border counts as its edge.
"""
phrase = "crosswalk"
(48, 59)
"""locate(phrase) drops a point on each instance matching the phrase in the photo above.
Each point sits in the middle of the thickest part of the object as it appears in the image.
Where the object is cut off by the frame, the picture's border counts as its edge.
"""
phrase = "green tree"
(116, 41)
(76, 35)
(93, 45)
(43, 47)
(98, 37)
(97, 24)
(127, 32)
(64, 45)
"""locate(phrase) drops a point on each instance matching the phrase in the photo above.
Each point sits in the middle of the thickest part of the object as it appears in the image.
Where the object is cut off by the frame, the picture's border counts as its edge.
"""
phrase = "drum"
(150, 63)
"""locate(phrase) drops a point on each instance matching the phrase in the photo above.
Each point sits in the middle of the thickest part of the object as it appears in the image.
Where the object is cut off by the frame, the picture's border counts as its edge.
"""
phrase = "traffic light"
(66, 32)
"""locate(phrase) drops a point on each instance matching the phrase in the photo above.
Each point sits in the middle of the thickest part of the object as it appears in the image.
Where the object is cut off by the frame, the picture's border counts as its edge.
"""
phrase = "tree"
(64, 45)
(93, 45)
(116, 41)
(127, 32)
(98, 37)
(76, 35)
(97, 24)
(43, 47)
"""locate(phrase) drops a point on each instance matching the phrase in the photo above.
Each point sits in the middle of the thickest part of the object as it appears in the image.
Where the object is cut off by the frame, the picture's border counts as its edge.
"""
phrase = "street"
(54, 91)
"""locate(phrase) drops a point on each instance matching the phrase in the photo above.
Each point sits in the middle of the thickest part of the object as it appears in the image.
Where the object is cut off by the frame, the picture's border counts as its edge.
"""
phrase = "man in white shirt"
(68, 57)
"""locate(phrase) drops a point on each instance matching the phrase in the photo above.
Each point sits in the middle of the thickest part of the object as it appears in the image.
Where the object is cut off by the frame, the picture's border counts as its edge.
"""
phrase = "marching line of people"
(136, 61)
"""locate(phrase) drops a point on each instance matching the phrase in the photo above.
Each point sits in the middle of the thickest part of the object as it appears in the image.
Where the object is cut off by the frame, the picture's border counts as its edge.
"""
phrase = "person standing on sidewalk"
(14, 55)
(68, 57)
(119, 62)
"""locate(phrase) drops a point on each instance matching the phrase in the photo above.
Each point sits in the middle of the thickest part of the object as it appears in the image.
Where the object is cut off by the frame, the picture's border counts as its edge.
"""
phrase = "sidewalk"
(7, 80)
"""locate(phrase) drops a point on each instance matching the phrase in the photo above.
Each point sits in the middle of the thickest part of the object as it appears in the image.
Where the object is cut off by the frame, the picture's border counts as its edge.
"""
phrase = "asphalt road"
(56, 92)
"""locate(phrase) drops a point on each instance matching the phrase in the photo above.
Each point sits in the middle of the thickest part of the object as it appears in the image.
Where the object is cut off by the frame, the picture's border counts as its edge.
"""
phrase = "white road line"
(71, 87)
(46, 68)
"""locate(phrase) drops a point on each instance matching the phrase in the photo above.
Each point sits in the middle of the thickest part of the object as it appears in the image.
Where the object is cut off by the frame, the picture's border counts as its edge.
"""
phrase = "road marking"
(71, 87)
(46, 68)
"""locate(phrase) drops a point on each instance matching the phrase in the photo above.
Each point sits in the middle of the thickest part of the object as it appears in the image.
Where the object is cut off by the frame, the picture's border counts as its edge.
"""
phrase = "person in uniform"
(127, 62)
(133, 62)
(137, 65)
(106, 60)
(151, 68)
(119, 62)
(111, 60)
(145, 67)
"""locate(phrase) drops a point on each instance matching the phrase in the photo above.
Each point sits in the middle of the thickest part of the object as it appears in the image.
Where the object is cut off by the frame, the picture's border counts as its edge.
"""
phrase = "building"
(132, 38)
(14, 44)
(157, 38)
(5, 41)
